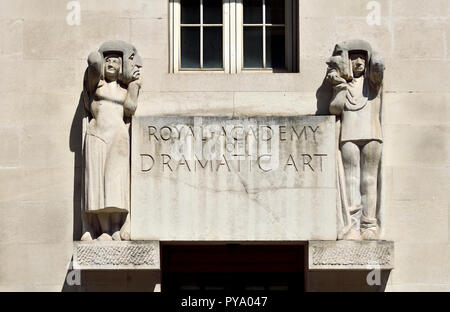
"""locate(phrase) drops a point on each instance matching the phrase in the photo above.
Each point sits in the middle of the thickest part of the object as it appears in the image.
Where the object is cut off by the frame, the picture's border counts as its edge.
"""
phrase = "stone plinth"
(233, 179)
(351, 255)
(116, 255)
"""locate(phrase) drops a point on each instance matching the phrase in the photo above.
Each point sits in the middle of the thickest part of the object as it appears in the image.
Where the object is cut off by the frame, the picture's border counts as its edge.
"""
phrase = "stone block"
(51, 222)
(13, 81)
(12, 109)
(351, 255)
(402, 75)
(11, 40)
(40, 10)
(413, 145)
(418, 109)
(151, 37)
(428, 41)
(215, 198)
(415, 9)
(379, 36)
(13, 176)
(424, 221)
(132, 9)
(70, 42)
(185, 103)
(419, 183)
(31, 266)
(41, 148)
(318, 37)
(39, 184)
(49, 111)
(274, 103)
(10, 147)
(11, 9)
(61, 75)
(421, 264)
(344, 8)
(133, 255)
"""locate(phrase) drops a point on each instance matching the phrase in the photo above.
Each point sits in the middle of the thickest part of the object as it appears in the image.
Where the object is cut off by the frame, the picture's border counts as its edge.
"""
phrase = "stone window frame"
(233, 27)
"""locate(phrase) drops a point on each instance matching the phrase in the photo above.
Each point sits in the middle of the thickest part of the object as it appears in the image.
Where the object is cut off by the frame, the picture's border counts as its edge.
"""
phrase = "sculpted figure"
(111, 89)
(356, 75)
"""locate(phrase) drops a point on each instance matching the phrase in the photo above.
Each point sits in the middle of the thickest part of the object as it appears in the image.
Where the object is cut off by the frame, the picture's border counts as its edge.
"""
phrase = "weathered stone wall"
(43, 61)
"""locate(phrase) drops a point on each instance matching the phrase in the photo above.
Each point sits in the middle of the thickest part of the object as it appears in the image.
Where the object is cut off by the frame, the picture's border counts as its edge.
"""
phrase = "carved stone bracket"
(351, 255)
(125, 255)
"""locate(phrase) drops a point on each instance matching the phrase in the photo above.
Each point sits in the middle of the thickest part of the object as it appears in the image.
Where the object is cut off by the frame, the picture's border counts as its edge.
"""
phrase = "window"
(234, 35)
(201, 34)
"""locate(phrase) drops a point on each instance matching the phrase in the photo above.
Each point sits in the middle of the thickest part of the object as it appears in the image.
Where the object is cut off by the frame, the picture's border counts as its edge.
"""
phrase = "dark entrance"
(236, 268)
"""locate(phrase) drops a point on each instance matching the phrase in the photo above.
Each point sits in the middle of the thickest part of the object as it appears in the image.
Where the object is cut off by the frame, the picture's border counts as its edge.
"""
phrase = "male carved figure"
(356, 75)
(111, 91)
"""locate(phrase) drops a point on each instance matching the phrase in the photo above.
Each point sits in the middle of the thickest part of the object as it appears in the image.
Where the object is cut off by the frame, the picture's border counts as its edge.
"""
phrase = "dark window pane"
(190, 47)
(275, 47)
(212, 11)
(253, 12)
(190, 11)
(253, 47)
(212, 47)
(275, 11)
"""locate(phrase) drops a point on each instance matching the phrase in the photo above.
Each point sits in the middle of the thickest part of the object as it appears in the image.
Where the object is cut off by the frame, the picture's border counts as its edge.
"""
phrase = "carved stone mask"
(131, 63)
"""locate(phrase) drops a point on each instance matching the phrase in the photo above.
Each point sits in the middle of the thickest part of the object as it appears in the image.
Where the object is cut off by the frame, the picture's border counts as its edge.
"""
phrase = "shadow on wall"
(348, 281)
(110, 280)
(323, 96)
(76, 142)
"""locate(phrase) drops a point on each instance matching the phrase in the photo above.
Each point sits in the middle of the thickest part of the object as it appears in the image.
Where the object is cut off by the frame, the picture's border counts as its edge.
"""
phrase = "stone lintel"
(124, 255)
(351, 255)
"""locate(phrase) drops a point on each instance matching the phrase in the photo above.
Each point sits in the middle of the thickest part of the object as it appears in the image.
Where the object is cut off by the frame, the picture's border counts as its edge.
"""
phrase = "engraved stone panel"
(97, 255)
(351, 255)
(238, 179)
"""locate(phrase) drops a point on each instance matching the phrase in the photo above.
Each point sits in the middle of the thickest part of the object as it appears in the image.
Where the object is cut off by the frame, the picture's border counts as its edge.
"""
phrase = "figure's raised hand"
(137, 83)
(95, 60)
(377, 69)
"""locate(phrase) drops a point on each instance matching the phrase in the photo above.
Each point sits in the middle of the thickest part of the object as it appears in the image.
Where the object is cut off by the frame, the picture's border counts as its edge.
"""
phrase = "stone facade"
(44, 58)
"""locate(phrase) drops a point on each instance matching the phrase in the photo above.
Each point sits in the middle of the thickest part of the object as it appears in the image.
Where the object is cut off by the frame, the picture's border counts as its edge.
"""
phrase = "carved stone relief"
(111, 89)
(356, 75)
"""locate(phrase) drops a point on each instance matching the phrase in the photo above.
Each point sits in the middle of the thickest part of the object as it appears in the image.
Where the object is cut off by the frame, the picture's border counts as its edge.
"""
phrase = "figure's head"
(131, 61)
(112, 66)
(359, 61)
(359, 53)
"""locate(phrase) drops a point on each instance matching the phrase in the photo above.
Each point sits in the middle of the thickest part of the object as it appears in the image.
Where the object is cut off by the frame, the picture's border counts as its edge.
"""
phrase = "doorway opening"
(233, 268)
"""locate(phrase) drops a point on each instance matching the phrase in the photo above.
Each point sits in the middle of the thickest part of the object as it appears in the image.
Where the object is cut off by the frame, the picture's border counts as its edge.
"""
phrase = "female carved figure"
(356, 75)
(112, 85)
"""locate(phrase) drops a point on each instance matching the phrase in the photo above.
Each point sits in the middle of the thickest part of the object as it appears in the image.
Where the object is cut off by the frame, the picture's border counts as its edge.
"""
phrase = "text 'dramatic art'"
(232, 148)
